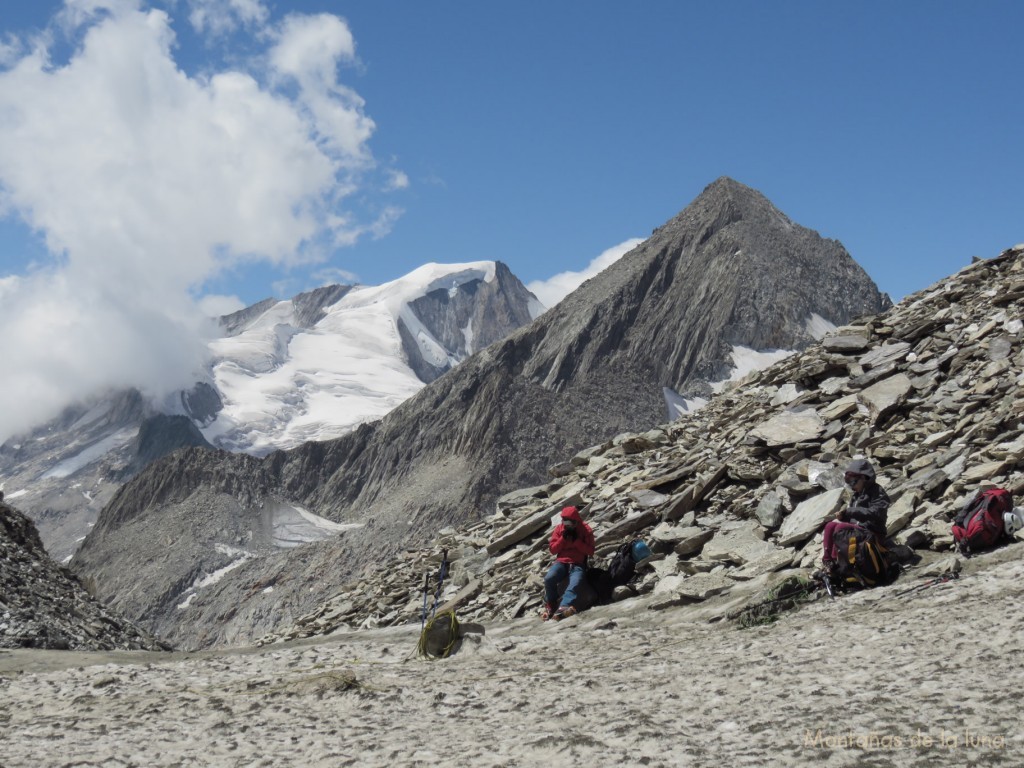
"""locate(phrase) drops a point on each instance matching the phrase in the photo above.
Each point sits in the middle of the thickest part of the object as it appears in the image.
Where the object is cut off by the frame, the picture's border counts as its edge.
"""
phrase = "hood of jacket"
(572, 513)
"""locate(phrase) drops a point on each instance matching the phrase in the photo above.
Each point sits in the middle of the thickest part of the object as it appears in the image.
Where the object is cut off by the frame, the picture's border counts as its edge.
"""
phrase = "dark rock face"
(202, 403)
(160, 435)
(468, 318)
(729, 270)
(310, 306)
(42, 605)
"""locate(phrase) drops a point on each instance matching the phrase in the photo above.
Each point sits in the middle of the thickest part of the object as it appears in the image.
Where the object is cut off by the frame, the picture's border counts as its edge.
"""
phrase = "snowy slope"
(283, 384)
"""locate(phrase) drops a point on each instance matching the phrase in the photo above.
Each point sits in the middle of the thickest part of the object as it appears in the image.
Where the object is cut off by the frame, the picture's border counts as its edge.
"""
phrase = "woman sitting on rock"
(868, 510)
(572, 542)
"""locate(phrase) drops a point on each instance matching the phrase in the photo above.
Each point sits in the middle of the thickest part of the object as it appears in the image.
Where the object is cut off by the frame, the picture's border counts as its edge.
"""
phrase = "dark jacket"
(869, 508)
(573, 547)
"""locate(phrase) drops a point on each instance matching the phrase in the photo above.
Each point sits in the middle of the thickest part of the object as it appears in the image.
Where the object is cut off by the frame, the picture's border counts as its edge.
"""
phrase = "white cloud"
(333, 275)
(10, 50)
(213, 305)
(146, 182)
(309, 48)
(218, 17)
(397, 180)
(61, 339)
(8, 287)
(77, 13)
(308, 51)
(554, 289)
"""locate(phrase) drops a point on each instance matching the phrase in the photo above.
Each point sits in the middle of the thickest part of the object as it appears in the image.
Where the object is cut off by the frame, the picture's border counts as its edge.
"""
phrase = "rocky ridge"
(42, 605)
(730, 270)
(63, 473)
(732, 498)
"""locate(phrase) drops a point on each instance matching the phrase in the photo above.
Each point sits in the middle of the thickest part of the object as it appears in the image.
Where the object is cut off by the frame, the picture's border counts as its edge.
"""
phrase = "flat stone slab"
(845, 343)
(901, 513)
(739, 546)
(521, 529)
(886, 394)
(790, 427)
(985, 471)
(886, 353)
(839, 408)
(781, 558)
(701, 586)
(809, 516)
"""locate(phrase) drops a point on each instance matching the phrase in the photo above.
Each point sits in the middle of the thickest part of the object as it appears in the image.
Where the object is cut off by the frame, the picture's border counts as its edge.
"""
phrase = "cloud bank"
(554, 289)
(145, 182)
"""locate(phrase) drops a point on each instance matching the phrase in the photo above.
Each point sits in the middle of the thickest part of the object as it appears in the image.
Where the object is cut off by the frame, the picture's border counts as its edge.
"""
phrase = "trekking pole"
(441, 573)
(946, 577)
(426, 589)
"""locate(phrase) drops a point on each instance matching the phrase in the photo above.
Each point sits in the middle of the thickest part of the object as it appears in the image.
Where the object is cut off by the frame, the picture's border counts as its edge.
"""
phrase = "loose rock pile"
(732, 498)
(42, 605)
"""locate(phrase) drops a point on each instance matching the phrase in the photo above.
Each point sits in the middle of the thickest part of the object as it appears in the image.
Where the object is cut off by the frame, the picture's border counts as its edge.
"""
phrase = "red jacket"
(569, 548)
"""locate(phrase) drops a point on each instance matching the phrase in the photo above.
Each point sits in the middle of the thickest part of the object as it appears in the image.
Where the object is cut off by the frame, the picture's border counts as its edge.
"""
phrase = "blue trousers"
(555, 574)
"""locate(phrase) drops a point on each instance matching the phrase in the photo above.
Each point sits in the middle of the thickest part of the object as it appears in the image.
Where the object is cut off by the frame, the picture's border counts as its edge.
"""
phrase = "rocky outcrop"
(42, 605)
(730, 270)
(732, 499)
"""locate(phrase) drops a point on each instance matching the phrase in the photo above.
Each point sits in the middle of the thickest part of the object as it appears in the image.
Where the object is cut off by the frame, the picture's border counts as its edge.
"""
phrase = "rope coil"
(439, 637)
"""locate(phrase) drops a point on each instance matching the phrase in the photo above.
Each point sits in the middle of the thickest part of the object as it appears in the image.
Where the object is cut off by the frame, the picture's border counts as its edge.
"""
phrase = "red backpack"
(980, 523)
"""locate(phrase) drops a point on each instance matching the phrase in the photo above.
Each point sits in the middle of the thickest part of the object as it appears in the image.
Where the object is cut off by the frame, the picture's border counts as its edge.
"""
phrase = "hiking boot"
(828, 571)
(565, 613)
(548, 612)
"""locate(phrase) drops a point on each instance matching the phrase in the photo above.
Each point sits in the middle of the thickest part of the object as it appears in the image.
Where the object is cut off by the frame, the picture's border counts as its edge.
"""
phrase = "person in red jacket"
(572, 542)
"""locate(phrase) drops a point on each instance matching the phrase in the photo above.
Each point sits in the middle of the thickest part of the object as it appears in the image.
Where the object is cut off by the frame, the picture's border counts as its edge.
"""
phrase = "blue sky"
(155, 154)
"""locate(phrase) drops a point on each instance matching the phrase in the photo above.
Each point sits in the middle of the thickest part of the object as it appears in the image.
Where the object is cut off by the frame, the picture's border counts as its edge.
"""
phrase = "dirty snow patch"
(93, 453)
(294, 526)
(818, 327)
(241, 557)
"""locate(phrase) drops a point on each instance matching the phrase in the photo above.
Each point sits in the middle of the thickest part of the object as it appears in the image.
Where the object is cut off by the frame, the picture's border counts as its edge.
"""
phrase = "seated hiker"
(868, 510)
(572, 542)
(987, 520)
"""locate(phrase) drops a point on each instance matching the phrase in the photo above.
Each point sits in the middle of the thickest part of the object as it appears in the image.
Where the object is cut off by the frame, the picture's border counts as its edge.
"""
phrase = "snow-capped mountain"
(289, 375)
(284, 372)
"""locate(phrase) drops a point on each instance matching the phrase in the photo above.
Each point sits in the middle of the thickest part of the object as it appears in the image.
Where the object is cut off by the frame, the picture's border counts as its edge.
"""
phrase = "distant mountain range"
(283, 372)
(186, 548)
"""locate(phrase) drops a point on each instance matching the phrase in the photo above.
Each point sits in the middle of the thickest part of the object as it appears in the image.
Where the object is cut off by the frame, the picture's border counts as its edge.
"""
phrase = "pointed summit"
(729, 270)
